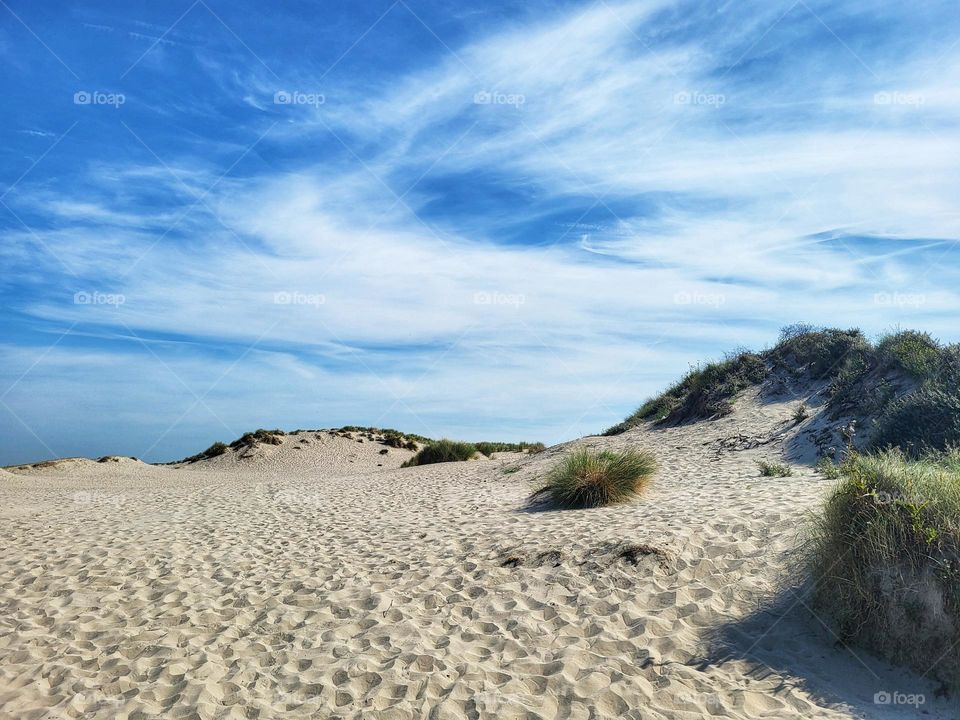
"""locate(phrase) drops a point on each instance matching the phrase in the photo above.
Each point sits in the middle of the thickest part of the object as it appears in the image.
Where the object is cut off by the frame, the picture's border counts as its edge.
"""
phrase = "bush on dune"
(443, 451)
(586, 478)
(885, 558)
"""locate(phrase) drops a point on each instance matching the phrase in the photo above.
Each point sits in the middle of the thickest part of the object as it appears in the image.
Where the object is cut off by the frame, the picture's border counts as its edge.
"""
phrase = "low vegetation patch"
(769, 469)
(885, 559)
(587, 478)
(906, 385)
(442, 451)
(260, 436)
(218, 448)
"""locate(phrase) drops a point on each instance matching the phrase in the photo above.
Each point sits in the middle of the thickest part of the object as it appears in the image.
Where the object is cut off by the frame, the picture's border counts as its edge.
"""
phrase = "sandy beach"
(285, 585)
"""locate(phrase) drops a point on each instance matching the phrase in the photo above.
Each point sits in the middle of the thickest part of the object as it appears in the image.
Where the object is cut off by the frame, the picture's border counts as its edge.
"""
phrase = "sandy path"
(135, 591)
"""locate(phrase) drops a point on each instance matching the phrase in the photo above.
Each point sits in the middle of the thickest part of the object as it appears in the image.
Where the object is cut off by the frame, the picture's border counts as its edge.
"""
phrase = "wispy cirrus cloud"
(549, 215)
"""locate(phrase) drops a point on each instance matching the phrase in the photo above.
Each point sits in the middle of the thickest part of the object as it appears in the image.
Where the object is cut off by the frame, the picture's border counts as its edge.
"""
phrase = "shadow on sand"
(785, 638)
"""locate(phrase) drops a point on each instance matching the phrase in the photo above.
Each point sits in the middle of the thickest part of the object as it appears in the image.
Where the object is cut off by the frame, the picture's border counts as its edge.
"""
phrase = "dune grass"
(906, 381)
(587, 478)
(770, 469)
(885, 558)
(441, 451)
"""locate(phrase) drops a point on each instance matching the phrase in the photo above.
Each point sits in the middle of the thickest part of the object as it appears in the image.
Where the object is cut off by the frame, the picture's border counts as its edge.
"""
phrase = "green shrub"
(769, 469)
(489, 448)
(927, 419)
(885, 559)
(586, 478)
(821, 352)
(827, 468)
(915, 353)
(443, 451)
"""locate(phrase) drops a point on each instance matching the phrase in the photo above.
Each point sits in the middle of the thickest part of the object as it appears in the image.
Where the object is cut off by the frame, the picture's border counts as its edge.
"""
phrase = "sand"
(299, 584)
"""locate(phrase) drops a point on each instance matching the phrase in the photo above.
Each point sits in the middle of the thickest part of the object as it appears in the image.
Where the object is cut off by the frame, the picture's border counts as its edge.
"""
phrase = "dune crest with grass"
(291, 575)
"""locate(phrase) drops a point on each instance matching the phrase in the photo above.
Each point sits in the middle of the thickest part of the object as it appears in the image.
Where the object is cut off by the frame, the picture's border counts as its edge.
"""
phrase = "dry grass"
(586, 479)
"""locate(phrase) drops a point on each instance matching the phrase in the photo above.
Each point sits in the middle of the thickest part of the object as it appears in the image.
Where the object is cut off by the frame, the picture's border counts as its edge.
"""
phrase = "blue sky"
(502, 220)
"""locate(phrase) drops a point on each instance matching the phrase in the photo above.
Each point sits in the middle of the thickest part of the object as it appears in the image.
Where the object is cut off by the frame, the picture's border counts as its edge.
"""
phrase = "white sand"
(300, 584)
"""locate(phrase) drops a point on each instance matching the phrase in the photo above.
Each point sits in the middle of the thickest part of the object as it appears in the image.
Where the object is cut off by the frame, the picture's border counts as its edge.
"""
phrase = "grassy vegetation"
(827, 468)
(218, 448)
(270, 437)
(885, 558)
(907, 382)
(441, 451)
(586, 478)
(769, 469)
(489, 448)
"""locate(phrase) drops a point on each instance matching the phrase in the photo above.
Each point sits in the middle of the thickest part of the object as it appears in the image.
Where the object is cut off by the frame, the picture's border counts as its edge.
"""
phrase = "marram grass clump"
(884, 559)
(443, 451)
(587, 478)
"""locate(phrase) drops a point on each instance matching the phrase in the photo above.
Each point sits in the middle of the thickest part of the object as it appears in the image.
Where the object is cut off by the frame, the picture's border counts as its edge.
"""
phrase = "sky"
(496, 220)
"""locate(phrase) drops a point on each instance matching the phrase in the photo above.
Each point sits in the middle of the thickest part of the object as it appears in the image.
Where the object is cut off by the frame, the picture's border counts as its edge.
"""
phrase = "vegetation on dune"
(442, 451)
(270, 437)
(452, 451)
(587, 478)
(771, 469)
(906, 384)
(885, 558)
(218, 448)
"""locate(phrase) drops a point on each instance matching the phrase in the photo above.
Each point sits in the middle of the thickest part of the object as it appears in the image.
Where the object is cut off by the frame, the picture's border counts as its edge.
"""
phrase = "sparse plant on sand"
(772, 469)
(588, 478)
(801, 413)
(885, 559)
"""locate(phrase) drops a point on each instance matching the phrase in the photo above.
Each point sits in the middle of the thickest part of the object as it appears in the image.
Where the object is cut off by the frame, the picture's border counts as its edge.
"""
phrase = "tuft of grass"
(489, 448)
(769, 469)
(270, 437)
(441, 451)
(817, 352)
(586, 478)
(884, 558)
(827, 468)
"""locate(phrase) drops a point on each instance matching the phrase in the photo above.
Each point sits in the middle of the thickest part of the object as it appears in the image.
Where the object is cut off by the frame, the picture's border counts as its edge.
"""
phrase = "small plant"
(586, 478)
(769, 469)
(801, 413)
(827, 468)
(443, 451)
(510, 470)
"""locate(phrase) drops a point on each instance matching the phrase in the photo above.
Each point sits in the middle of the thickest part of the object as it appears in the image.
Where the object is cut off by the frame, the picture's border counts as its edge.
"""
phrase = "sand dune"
(297, 583)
